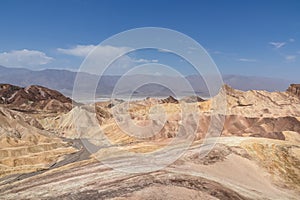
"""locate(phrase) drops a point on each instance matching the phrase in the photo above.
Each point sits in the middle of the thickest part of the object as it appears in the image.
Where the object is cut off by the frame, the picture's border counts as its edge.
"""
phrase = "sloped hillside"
(25, 148)
(33, 98)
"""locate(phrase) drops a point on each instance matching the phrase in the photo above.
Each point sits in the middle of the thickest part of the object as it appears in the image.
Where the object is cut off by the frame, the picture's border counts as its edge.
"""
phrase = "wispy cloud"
(145, 61)
(24, 58)
(105, 54)
(79, 50)
(290, 58)
(287, 57)
(84, 50)
(277, 45)
(247, 60)
(292, 40)
(164, 51)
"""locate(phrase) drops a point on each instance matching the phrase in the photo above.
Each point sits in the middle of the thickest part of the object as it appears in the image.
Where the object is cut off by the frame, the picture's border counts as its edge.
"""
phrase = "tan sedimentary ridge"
(25, 148)
(229, 171)
(251, 113)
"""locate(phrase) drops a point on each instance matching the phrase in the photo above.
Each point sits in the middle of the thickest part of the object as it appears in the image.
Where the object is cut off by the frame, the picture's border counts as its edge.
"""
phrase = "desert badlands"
(49, 148)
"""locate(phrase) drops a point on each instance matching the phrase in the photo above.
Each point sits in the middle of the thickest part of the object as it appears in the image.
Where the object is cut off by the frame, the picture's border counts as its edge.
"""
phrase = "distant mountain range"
(63, 80)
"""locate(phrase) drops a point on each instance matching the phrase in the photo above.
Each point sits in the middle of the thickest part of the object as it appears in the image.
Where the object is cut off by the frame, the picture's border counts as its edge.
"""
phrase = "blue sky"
(260, 38)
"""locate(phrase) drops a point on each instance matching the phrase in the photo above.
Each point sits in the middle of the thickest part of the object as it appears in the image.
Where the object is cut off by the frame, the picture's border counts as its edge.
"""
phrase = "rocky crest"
(294, 89)
(260, 103)
(192, 99)
(33, 97)
(170, 99)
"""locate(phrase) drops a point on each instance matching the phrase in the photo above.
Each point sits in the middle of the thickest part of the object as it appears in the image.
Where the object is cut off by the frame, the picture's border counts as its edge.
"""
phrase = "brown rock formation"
(170, 99)
(294, 89)
(192, 99)
(33, 98)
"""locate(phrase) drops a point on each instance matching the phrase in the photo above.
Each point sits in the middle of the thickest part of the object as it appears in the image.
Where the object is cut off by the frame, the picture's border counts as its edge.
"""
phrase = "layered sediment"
(255, 154)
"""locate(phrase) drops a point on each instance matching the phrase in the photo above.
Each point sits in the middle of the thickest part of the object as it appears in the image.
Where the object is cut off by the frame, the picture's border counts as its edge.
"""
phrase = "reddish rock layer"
(33, 98)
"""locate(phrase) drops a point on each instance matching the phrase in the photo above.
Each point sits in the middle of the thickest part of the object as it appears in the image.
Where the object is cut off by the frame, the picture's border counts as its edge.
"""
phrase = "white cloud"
(101, 51)
(79, 50)
(277, 45)
(292, 40)
(24, 58)
(246, 60)
(145, 61)
(84, 50)
(164, 51)
(101, 56)
(290, 58)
